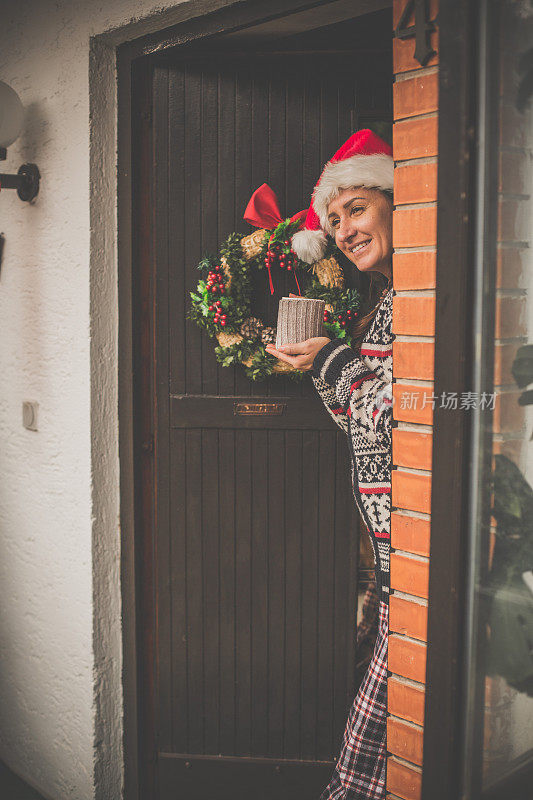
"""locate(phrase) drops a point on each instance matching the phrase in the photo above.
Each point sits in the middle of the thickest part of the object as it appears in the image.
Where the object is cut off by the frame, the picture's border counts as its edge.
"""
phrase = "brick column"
(415, 151)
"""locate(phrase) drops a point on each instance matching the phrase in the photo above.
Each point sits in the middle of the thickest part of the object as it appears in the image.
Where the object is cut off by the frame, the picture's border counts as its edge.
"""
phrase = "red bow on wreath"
(263, 211)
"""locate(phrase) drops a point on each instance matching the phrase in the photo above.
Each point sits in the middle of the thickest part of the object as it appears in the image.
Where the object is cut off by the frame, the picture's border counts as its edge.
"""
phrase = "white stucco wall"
(61, 701)
(60, 643)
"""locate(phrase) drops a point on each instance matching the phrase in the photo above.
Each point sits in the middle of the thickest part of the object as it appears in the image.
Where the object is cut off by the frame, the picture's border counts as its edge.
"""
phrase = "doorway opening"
(248, 566)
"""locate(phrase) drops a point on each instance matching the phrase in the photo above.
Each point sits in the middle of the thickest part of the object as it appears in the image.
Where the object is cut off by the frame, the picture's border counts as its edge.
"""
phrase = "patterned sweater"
(356, 388)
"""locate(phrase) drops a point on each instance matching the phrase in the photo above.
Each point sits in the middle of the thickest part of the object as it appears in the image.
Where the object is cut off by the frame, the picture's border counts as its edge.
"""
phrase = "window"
(499, 625)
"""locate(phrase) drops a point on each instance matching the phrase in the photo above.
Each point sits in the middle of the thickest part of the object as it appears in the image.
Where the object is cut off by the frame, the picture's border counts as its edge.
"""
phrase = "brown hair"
(378, 287)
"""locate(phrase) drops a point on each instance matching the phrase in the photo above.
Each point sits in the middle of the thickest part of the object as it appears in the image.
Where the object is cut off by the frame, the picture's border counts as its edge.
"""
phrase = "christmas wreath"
(222, 302)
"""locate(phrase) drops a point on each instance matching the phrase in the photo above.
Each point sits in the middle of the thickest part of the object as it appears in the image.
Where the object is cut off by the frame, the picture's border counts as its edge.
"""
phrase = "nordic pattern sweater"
(356, 388)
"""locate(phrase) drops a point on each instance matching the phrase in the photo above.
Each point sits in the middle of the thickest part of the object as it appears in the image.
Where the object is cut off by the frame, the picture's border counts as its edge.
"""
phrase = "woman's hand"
(300, 355)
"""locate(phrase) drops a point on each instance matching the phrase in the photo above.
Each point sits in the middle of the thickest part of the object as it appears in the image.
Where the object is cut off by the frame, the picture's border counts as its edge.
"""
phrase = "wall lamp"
(26, 181)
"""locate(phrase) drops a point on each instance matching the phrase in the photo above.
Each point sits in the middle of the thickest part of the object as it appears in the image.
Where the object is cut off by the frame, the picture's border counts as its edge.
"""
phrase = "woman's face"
(362, 222)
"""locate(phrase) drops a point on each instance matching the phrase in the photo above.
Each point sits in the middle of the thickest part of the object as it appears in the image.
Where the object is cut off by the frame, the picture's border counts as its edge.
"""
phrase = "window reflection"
(507, 587)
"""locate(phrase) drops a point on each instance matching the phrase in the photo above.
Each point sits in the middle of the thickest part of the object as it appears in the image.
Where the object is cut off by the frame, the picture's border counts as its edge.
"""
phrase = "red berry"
(211, 308)
(223, 322)
(289, 267)
(218, 303)
(217, 268)
(343, 324)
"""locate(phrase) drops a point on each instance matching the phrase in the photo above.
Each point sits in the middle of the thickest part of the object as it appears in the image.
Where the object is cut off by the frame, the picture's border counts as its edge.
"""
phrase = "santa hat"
(363, 160)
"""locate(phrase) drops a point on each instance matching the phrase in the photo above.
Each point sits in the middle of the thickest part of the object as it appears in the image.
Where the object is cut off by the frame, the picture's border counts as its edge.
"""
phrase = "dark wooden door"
(249, 640)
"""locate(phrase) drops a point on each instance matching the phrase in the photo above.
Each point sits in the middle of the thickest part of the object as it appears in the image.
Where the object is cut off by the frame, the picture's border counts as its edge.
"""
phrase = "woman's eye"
(335, 223)
(356, 209)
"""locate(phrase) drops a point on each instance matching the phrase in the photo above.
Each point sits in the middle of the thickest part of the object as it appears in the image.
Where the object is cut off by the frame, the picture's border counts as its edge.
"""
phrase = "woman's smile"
(358, 247)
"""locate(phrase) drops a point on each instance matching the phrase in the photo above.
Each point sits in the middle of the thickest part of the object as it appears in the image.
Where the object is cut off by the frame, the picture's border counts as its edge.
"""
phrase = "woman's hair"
(378, 287)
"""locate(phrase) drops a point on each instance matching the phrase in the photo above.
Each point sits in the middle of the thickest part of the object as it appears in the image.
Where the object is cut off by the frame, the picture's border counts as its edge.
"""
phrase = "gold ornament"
(228, 339)
(253, 244)
(283, 367)
(329, 272)
(227, 272)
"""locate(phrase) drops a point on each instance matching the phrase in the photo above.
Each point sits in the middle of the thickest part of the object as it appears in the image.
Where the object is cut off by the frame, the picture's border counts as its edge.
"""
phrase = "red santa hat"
(363, 160)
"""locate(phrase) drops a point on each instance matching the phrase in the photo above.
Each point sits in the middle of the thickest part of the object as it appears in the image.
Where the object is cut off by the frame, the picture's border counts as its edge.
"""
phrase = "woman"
(353, 202)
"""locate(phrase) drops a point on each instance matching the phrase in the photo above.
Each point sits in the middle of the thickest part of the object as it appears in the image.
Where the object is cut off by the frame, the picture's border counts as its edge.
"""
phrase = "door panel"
(256, 535)
(262, 580)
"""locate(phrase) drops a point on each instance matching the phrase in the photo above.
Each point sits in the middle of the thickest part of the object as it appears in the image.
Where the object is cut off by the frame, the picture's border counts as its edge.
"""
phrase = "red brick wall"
(415, 149)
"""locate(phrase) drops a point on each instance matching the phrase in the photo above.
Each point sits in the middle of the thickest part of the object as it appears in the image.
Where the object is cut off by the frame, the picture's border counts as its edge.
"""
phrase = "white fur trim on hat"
(373, 172)
(309, 245)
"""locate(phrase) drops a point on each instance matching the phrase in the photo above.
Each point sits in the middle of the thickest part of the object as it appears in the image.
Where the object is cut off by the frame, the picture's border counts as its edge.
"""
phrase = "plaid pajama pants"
(360, 773)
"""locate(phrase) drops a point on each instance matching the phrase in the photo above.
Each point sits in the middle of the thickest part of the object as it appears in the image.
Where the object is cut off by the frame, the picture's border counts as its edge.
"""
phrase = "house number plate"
(259, 408)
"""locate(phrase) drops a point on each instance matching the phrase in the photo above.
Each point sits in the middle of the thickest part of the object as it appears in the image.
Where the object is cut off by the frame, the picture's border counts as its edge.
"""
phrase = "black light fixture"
(26, 181)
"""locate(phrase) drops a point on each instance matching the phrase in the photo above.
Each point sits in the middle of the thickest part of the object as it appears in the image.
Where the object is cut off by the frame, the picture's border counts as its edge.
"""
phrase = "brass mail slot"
(259, 408)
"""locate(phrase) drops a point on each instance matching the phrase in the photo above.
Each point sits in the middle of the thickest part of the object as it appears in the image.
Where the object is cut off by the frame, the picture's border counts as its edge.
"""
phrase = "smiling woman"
(352, 202)
(361, 220)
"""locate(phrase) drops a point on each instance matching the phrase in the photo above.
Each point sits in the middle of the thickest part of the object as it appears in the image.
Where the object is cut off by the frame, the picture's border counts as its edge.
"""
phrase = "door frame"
(451, 432)
(136, 338)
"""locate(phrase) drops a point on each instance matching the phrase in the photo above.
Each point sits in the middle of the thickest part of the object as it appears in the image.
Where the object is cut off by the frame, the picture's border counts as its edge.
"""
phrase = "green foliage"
(336, 331)
(235, 354)
(235, 303)
(262, 365)
(207, 263)
(340, 300)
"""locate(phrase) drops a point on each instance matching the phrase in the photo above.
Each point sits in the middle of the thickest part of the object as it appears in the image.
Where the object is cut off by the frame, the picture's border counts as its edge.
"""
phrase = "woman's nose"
(346, 229)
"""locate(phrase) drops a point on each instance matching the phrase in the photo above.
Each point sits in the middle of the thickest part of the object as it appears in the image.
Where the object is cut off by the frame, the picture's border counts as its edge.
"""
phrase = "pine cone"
(251, 328)
(268, 335)
(329, 272)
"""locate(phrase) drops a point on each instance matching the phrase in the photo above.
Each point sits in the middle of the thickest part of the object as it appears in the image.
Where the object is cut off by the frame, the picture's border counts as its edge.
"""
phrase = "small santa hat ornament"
(363, 160)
